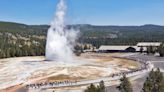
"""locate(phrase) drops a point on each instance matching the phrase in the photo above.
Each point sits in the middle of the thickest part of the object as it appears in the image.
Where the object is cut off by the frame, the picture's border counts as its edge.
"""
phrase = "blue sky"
(97, 12)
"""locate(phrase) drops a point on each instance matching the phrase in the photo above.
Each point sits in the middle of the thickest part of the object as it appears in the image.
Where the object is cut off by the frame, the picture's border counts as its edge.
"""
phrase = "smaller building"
(148, 44)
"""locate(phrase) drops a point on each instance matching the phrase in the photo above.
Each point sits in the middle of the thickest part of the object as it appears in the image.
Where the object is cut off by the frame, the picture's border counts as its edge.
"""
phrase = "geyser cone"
(59, 40)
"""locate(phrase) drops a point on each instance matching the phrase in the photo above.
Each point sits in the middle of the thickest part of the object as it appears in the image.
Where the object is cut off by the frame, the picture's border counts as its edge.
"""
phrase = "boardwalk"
(147, 66)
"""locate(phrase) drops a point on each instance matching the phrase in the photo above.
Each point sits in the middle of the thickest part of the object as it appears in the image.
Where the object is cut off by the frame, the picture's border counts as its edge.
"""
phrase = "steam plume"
(60, 40)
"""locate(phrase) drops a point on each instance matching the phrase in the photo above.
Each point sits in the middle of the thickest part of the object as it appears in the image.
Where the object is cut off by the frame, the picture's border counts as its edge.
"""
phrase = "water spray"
(60, 40)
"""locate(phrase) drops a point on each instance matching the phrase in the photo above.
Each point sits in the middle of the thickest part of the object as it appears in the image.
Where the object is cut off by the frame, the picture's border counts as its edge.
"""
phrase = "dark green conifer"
(125, 85)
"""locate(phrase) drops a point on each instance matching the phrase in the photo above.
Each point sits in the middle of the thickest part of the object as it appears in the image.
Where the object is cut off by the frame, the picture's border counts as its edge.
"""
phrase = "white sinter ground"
(14, 71)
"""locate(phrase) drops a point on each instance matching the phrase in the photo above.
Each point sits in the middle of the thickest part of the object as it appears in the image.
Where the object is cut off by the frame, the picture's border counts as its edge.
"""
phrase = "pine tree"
(151, 50)
(101, 87)
(147, 87)
(125, 85)
(141, 50)
(91, 88)
(154, 82)
(161, 50)
(85, 47)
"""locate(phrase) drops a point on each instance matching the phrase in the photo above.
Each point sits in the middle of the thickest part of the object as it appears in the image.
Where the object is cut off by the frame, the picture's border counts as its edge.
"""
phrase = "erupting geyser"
(60, 40)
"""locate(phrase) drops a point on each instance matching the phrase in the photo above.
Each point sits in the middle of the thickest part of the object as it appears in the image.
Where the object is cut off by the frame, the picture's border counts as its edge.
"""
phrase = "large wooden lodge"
(128, 48)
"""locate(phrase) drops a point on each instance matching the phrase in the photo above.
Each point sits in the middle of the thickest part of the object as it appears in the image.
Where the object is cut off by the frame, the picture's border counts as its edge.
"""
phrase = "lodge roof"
(144, 44)
(113, 47)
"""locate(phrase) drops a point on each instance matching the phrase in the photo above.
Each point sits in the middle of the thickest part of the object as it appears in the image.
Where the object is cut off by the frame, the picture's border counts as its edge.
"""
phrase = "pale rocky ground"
(25, 70)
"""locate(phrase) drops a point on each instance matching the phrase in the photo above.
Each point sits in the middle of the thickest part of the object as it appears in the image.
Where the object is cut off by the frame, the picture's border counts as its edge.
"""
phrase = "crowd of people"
(145, 67)
(52, 84)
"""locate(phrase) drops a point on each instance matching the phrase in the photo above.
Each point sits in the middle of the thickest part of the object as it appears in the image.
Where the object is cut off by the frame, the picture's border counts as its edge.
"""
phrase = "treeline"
(121, 35)
(16, 46)
(153, 50)
(29, 40)
(10, 47)
(153, 83)
(96, 35)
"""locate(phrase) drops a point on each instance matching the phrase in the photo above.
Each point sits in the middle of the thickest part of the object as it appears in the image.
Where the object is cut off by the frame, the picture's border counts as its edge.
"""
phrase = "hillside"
(18, 39)
(127, 35)
(93, 34)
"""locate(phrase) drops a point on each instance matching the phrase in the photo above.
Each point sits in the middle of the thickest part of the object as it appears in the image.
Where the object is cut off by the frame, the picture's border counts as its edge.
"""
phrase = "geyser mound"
(60, 41)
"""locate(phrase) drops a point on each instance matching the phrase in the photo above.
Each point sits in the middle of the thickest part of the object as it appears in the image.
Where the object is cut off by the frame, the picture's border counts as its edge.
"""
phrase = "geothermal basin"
(27, 70)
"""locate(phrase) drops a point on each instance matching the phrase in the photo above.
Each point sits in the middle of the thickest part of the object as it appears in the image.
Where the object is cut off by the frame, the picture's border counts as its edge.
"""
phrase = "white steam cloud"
(60, 41)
